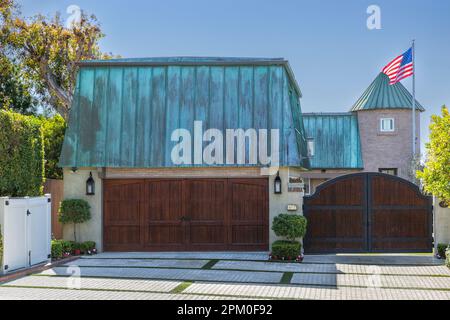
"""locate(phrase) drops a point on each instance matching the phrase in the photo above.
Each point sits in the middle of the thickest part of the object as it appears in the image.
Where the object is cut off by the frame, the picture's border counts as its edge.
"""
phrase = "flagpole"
(414, 101)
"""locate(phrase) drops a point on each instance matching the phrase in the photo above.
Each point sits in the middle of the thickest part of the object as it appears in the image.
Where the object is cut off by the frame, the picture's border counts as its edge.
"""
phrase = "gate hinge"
(6, 267)
(6, 203)
(28, 212)
(29, 257)
(49, 200)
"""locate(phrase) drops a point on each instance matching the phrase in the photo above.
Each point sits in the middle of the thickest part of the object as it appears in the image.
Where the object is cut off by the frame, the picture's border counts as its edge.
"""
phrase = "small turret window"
(387, 125)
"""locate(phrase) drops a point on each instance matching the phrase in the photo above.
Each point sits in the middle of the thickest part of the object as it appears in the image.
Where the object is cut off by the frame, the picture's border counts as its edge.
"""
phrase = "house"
(374, 136)
(185, 152)
(202, 153)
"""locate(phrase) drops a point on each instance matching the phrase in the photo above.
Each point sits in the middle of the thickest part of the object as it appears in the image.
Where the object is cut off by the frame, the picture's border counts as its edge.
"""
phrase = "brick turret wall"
(388, 149)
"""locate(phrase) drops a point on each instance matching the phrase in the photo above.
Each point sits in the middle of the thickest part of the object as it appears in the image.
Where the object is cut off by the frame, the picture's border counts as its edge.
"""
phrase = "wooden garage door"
(368, 212)
(185, 214)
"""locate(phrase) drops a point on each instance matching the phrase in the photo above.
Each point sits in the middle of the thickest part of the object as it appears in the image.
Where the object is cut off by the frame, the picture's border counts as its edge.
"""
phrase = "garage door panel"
(186, 214)
(163, 201)
(207, 234)
(161, 234)
(122, 235)
(248, 234)
(206, 200)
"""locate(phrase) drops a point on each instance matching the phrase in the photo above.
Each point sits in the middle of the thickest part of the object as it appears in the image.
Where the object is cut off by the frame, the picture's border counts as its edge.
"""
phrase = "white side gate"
(26, 230)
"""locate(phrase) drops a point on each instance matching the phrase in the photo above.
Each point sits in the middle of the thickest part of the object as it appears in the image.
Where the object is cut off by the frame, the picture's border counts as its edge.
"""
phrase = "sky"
(333, 54)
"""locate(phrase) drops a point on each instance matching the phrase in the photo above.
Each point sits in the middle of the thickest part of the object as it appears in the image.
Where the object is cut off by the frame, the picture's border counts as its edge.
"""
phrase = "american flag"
(400, 68)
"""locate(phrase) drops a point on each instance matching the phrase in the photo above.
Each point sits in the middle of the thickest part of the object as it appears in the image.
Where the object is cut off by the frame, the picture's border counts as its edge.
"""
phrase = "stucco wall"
(441, 223)
(75, 188)
(278, 202)
(388, 149)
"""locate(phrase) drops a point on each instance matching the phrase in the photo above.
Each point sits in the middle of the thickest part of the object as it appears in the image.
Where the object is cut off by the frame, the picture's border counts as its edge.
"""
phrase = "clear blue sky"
(333, 54)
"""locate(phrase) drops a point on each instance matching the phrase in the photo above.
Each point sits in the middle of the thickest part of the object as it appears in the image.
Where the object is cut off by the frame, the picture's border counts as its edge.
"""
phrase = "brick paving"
(96, 283)
(333, 268)
(7, 293)
(142, 276)
(307, 292)
(171, 274)
(141, 263)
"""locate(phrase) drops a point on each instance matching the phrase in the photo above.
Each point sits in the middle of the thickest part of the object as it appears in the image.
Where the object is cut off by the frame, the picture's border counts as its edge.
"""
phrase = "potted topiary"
(74, 211)
(291, 227)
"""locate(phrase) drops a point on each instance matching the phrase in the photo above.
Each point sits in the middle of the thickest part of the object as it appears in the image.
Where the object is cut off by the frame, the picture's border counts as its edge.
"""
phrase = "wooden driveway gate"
(368, 212)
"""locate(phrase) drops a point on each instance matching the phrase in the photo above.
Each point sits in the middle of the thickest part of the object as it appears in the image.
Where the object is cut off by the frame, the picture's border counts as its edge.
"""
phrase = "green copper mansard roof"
(124, 111)
(336, 140)
(381, 95)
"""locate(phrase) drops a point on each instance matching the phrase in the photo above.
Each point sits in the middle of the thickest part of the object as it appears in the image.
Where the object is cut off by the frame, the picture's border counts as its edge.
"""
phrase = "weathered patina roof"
(124, 111)
(381, 95)
(336, 140)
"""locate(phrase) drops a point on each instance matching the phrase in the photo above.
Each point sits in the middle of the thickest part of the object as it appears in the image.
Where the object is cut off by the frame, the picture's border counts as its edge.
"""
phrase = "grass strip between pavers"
(210, 264)
(313, 285)
(286, 278)
(205, 267)
(181, 287)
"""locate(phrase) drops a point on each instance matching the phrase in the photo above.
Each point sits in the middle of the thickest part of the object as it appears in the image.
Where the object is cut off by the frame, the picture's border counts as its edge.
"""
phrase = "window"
(392, 171)
(387, 125)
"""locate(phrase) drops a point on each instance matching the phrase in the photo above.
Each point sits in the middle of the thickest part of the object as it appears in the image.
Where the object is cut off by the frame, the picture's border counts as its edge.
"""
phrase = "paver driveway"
(228, 275)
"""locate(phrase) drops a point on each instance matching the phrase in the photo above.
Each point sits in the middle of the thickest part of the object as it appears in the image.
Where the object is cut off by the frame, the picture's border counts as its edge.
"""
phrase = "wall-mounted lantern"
(277, 184)
(90, 185)
(310, 147)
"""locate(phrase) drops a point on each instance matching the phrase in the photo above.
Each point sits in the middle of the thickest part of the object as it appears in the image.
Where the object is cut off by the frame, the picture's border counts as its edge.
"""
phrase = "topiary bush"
(57, 249)
(290, 226)
(74, 211)
(285, 249)
(21, 155)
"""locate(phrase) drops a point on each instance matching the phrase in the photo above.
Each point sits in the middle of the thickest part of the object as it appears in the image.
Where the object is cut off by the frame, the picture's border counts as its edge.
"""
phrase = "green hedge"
(53, 129)
(21, 155)
(57, 249)
(286, 249)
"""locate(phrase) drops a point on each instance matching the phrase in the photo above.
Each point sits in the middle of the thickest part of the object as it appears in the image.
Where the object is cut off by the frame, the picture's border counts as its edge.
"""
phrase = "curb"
(37, 268)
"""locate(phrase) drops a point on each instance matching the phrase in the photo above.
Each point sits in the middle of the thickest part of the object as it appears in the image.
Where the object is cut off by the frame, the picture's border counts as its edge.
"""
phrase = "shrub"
(53, 131)
(286, 249)
(67, 246)
(57, 249)
(74, 211)
(290, 226)
(89, 245)
(441, 247)
(21, 155)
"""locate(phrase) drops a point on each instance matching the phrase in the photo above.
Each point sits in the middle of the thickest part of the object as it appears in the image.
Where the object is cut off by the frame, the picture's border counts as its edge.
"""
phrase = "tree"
(435, 176)
(48, 52)
(74, 211)
(14, 90)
